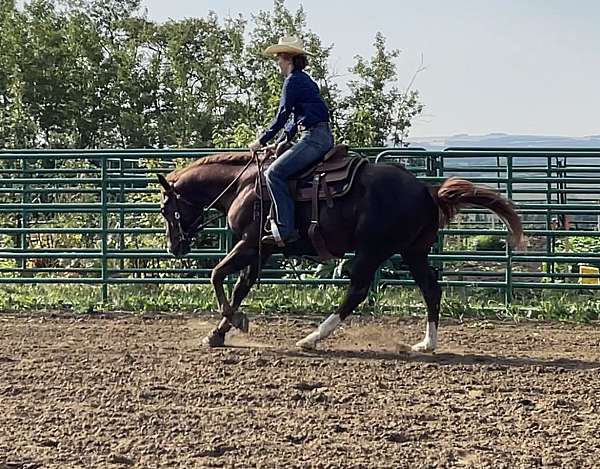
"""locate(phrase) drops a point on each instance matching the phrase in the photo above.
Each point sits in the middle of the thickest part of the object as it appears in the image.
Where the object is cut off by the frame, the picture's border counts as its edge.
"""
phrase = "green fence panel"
(91, 217)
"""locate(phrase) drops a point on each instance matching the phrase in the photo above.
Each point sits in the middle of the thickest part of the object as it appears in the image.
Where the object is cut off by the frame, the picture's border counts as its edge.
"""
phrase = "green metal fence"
(91, 217)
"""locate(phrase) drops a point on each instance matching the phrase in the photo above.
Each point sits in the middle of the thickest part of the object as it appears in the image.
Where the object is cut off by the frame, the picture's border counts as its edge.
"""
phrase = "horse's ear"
(163, 182)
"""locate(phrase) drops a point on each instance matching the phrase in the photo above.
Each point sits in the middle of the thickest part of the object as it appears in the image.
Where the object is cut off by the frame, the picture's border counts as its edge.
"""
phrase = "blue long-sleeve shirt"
(300, 96)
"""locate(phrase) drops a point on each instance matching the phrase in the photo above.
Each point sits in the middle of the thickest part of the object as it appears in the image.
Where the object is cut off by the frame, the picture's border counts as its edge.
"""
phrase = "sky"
(521, 67)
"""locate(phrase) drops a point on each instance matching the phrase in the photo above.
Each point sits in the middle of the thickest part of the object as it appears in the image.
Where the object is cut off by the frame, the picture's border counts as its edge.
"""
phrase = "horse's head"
(182, 218)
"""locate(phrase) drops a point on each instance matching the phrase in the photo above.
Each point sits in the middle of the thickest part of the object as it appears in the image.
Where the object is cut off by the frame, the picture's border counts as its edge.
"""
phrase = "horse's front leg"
(248, 277)
(243, 285)
(242, 255)
(241, 289)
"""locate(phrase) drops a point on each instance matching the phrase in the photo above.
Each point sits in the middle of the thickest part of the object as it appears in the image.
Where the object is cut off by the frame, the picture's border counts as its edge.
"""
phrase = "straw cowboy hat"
(288, 45)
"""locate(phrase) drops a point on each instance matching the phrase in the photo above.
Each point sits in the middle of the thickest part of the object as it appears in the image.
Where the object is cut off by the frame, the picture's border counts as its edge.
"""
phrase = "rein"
(199, 223)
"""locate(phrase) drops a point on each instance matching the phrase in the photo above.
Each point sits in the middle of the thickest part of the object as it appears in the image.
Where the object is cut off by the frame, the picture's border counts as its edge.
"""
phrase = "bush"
(488, 243)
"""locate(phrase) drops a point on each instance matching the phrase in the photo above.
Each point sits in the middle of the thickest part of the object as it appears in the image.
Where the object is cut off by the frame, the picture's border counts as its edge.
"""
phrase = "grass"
(583, 306)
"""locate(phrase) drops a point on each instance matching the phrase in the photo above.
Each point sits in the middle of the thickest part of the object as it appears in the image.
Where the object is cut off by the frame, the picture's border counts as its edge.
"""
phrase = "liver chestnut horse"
(388, 211)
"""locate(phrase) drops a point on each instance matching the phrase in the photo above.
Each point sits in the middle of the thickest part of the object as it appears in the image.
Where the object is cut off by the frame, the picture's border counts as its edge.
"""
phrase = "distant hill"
(504, 140)
(464, 167)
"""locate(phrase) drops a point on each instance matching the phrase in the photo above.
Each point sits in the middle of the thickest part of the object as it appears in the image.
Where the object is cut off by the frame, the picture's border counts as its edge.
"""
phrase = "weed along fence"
(91, 217)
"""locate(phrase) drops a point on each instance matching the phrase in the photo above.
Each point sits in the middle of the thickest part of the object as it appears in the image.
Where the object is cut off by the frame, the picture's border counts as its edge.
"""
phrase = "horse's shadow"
(444, 359)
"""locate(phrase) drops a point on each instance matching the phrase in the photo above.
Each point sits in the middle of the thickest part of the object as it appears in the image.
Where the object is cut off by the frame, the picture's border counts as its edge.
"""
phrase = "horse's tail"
(455, 194)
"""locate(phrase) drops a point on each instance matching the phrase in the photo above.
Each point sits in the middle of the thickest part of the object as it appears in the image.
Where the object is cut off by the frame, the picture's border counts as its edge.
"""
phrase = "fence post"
(437, 169)
(25, 199)
(375, 289)
(122, 211)
(104, 227)
(508, 292)
(549, 238)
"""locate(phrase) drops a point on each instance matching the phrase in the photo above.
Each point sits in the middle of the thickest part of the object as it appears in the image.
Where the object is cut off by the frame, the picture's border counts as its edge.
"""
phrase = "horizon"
(507, 134)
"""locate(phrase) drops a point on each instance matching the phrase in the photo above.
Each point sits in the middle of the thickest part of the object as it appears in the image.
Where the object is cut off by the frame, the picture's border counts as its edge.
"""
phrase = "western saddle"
(330, 179)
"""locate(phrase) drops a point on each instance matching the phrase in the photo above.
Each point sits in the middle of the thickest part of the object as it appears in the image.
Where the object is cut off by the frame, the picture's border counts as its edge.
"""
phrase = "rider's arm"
(286, 105)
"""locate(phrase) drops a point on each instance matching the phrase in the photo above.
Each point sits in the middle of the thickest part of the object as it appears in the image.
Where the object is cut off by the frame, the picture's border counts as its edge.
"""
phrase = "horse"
(387, 211)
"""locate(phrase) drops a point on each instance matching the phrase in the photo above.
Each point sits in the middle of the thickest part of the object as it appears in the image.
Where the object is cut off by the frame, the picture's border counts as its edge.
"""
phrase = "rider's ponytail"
(300, 62)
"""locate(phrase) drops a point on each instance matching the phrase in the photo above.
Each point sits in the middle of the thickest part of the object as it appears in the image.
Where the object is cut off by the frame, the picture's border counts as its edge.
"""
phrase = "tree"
(199, 77)
(376, 111)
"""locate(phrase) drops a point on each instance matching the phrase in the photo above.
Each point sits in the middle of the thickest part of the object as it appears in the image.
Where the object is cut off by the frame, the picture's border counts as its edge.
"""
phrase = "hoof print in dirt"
(20, 465)
(215, 452)
(230, 361)
(120, 459)
(303, 386)
(396, 437)
(48, 443)
(296, 439)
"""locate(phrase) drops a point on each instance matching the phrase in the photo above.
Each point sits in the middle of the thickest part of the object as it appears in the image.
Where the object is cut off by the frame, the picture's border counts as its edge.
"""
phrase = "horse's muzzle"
(180, 250)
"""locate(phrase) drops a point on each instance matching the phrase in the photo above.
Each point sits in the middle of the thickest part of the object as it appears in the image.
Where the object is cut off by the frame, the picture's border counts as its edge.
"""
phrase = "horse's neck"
(208, 182)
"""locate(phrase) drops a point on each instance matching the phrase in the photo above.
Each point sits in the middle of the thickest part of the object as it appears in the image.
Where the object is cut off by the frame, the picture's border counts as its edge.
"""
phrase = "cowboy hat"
(288, 45)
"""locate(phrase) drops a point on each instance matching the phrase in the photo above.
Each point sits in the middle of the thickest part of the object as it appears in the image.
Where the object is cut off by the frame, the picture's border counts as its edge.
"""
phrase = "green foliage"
(575, 245)
(579, 244)
(488, 243)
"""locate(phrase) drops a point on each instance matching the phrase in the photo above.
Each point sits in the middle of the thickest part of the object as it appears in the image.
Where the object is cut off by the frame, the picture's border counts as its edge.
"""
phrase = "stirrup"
(292, 238)
(274, 237)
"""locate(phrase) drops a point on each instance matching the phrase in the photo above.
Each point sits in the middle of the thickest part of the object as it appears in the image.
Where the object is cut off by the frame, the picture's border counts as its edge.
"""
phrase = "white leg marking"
(429, 343)
(322, 332)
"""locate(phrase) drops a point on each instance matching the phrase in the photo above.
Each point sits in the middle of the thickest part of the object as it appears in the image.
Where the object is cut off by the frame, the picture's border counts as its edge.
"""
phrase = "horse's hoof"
(214, 339)
(240, 321)
(423, 347)
(306, 344)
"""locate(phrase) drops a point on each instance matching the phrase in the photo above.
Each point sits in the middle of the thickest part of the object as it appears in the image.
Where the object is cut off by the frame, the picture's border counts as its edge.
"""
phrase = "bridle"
(199, 223)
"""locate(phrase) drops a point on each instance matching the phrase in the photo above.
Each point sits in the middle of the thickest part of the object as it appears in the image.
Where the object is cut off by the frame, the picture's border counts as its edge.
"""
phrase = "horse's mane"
(220, 158)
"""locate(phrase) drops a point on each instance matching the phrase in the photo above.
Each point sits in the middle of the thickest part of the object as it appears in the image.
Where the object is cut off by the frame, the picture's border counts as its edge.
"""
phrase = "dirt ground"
(125, 391)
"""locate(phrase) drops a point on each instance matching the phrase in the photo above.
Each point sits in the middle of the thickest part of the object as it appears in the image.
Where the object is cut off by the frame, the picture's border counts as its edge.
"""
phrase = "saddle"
(330, 179)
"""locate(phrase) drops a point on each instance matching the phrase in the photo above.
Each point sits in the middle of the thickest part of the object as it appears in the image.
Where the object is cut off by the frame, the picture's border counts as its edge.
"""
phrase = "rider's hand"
(270, 150)
(255, 145)
(281, 147)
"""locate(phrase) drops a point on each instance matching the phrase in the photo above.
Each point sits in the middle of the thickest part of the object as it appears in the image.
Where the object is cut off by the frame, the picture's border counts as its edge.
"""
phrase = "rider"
(300, 97)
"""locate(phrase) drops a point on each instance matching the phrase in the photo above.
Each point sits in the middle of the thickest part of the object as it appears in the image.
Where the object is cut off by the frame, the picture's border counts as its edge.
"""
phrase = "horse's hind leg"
(361, 276)
(426, 280)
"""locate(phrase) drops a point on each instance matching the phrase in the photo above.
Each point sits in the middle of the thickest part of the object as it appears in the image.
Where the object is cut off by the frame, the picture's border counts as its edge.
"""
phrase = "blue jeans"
(311, 148)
